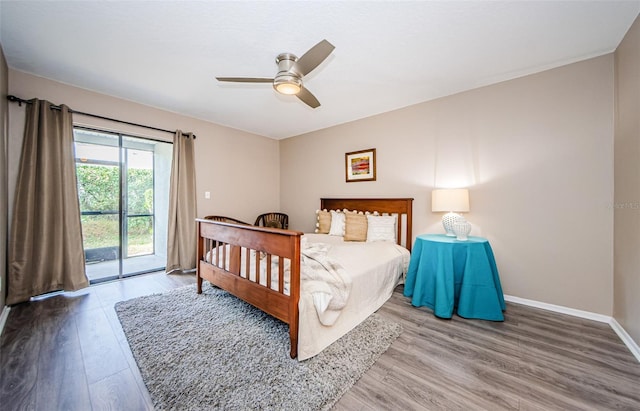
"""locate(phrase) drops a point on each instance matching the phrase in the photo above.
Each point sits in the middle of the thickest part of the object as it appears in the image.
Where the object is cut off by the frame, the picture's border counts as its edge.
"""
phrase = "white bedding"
(375, 270)
(371, 271)
(325, 279)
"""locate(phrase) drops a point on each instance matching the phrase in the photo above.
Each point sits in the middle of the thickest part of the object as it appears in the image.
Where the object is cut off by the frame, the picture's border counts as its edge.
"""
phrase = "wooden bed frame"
(224, 270)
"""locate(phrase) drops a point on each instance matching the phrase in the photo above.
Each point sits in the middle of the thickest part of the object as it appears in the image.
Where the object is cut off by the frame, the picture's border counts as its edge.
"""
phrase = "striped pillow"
(337, 223)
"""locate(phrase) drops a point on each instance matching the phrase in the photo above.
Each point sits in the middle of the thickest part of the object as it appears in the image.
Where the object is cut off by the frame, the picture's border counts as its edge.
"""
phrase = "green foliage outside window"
(98, 190)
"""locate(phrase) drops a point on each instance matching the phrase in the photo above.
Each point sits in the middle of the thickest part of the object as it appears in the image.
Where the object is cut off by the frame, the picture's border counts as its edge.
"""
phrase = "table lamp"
(450, 201)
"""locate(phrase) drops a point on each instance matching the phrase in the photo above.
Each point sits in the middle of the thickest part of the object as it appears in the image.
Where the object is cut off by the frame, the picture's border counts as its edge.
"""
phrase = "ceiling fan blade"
(245, 79)
(308, 98)
(312, 58)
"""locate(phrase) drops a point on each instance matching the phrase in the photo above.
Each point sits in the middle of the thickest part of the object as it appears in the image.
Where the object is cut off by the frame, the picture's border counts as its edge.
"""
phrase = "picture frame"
(360, 165)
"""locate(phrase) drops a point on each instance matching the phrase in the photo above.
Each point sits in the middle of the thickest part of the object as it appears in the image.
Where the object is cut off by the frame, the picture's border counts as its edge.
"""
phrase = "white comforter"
(375, 270)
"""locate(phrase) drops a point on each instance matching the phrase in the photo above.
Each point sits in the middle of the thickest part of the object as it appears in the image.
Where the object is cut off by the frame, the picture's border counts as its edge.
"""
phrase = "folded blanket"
(326, 280)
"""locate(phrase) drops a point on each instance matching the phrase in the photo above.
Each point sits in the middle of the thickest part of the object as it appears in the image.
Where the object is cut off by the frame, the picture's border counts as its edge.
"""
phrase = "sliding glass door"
(123, 188)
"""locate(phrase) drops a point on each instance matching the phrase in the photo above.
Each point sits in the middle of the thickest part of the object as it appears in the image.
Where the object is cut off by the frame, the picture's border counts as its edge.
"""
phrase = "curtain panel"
(181, 236)
(46, 252)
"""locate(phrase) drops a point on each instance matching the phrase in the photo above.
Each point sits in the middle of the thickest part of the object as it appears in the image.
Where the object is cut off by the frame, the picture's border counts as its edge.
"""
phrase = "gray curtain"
(46, 253)
(181, 236)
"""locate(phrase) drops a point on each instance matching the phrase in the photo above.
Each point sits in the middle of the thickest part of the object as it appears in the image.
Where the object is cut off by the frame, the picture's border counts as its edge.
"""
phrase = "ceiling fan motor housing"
(288, 80)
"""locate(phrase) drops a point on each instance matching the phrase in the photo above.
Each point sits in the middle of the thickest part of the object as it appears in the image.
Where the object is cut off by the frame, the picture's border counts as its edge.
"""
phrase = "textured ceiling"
(388, 54)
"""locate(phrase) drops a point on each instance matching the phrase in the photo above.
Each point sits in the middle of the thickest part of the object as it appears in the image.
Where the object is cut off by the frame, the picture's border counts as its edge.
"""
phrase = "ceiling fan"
(291, 70)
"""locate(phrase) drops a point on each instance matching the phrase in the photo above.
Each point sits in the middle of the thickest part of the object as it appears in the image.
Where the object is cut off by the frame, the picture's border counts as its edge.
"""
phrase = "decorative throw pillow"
(337, 223)
(355, 227)
(381, 228)
(323, 224)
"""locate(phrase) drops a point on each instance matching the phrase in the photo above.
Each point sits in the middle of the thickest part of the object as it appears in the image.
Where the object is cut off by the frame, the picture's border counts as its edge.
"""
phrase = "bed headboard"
(403, 207)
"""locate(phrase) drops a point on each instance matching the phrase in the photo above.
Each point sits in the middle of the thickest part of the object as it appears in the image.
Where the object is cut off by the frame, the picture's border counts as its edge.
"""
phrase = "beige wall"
(536, 153)
(4, 125)
(241, 170)
(627, 184)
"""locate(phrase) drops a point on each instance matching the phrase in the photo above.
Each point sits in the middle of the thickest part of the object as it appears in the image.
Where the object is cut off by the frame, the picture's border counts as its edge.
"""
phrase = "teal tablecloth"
(445, 273)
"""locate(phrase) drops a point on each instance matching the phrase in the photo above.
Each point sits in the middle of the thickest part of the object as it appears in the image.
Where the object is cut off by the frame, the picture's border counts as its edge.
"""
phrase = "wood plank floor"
(68, 352)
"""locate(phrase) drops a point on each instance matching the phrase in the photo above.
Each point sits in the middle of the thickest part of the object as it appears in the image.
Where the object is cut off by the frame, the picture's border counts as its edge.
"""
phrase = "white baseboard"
(626, 338)
(617, 328)
(560, 309)
(3, 317)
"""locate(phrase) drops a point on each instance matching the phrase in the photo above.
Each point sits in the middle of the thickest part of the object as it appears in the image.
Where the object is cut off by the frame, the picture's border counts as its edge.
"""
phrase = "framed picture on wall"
(361, 165)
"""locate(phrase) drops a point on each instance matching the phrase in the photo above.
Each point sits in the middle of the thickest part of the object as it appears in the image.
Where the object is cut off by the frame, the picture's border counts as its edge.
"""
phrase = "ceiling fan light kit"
(291, 70)
(287, 84)
(288, 87)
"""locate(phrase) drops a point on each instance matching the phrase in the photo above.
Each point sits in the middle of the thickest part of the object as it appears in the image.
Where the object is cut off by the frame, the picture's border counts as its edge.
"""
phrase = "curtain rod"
(19, 100)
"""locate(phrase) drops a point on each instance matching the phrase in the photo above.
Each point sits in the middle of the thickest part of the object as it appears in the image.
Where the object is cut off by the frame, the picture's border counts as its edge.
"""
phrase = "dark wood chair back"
(225, 219)
(273, 220)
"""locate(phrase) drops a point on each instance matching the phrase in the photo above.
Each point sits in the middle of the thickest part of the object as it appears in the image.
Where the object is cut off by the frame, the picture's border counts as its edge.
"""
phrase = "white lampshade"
(450, 201)
(446, 200)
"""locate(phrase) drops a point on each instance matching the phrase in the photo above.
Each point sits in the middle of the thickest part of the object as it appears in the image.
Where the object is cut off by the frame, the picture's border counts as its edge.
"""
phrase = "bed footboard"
(256, 264)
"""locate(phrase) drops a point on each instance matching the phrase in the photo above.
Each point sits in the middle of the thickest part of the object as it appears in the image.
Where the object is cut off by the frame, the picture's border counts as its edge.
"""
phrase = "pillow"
(355, 227)
(337, 223)
(381, 228)
(323, 224)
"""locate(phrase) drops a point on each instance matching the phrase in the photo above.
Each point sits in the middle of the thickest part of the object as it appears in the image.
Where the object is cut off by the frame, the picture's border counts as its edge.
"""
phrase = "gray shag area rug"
(214, 351)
